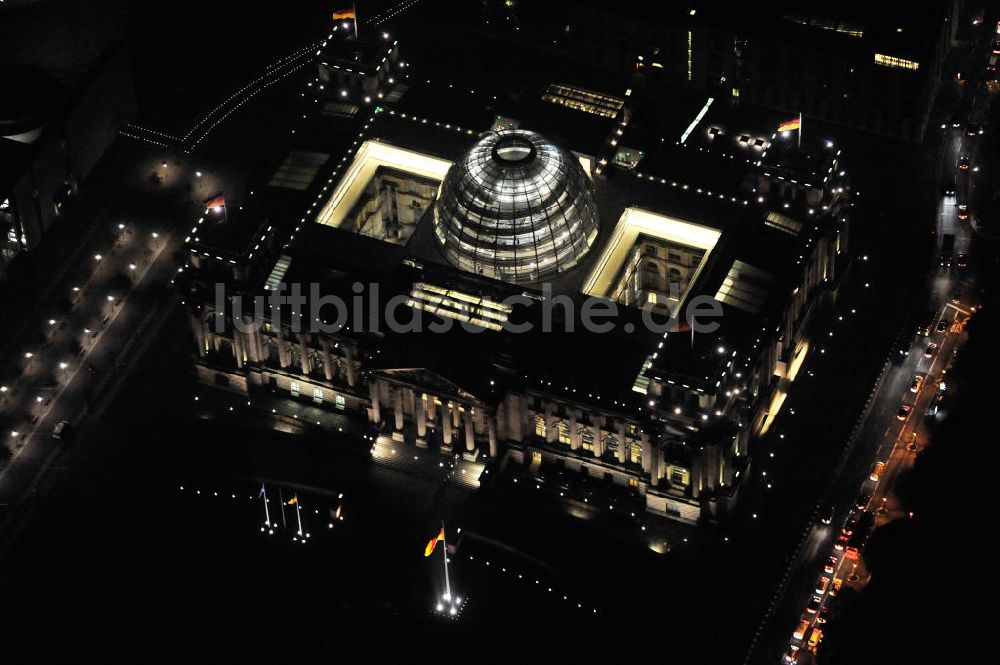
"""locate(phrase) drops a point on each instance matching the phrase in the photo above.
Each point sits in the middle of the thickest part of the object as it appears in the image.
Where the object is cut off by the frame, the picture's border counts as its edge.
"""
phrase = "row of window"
(318, 395)
(610, 442)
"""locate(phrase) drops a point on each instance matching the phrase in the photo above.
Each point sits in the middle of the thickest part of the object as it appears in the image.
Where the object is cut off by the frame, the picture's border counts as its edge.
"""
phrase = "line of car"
(854, 535)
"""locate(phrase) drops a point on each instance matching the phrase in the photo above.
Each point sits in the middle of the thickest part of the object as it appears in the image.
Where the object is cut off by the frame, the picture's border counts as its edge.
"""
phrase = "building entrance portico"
(420, 407)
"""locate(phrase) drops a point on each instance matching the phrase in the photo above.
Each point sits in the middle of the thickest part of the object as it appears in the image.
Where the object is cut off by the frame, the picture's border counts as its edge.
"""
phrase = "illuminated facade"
(665, 418)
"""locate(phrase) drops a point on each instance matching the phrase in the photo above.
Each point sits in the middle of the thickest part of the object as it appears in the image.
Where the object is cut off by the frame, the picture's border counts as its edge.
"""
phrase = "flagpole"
(354, 7)
(800, 130)
(444, 552)
(267, 513)
(281, 500)
(298, 514)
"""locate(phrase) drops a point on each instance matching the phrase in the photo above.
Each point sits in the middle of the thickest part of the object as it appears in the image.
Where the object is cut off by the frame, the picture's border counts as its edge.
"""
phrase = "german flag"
(342, 14)
(790, 125)
(217, 201)
(429, 550)
(294, 500)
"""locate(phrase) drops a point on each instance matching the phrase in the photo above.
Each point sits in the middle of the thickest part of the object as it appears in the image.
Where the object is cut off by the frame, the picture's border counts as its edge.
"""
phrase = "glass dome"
(516, 208)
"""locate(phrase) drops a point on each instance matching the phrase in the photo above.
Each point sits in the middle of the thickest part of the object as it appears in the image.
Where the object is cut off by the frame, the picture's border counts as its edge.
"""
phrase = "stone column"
(431, 409)
(397, 407)
(238, 348)
(470, 437)
(550, 424)
(622, 443)
(648, 458)
(516, 418)
(327, 359)
(574, 431)
(456, 415)
(210, 341)
(198, 328)
(255, 352)
(376, 409)
(352, 371)
(410, 405)
(421, 409)
(696, 476)
(446, 420)
(304, 361)
(598, 441)
(283, 355)
(491, 430)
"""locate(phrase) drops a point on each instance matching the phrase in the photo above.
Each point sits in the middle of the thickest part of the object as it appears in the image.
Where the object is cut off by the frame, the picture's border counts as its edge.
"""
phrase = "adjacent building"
(52, 134)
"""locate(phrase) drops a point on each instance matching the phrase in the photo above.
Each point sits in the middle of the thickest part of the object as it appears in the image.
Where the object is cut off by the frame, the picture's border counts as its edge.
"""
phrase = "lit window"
(294, 388)
(540, 429)
(896, 63)
(339, 401)
(584, 100)
(587, 439)
(318, 395)
(563, 430)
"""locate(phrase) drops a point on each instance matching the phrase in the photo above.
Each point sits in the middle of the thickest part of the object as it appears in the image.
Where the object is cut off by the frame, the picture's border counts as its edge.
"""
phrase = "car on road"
(963, 164)
(949, 188)
(862, 501)
(963, 211)
(815, 637)
(841, 542)
(930, 350)
(973, 129)
(61, 430)
(904, 412)
(830, 565)
(935, 405)
(801, 629)
(962, 261)
(821, 586)
(791, 656)
(827, 515)
(876, 472)
(918, 383)
(814, 604)
(823, 616)
(943, 325)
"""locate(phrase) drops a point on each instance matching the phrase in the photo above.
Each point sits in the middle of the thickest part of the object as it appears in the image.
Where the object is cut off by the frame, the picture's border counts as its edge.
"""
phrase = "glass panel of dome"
(515, 190)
